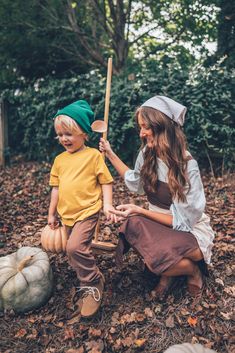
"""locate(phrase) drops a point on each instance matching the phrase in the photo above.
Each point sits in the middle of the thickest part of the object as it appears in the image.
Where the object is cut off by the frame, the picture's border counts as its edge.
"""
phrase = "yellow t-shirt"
(79, 177)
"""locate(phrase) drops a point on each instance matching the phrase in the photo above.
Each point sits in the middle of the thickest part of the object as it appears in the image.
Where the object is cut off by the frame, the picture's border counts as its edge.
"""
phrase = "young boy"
(79, 178)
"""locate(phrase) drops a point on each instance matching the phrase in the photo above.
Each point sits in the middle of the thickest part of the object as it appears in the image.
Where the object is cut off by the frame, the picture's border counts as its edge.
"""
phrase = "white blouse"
(188, 216)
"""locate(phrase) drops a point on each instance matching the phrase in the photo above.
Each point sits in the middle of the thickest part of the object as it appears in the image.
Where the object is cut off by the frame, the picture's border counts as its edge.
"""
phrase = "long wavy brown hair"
(169, 144)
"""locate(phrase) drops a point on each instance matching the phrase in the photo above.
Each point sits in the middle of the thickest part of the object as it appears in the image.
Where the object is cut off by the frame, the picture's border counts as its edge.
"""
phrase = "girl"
(174, 235)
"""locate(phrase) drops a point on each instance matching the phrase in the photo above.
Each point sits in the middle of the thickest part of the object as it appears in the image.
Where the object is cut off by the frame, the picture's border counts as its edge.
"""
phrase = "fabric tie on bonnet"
(169, 107)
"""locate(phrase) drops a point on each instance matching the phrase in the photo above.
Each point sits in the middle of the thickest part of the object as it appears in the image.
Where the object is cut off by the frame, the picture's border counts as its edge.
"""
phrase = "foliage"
(29, 48)
(33, 107)
(59, 37)
(209, 96)
(226, 37)
(185, 23)
(207, 93)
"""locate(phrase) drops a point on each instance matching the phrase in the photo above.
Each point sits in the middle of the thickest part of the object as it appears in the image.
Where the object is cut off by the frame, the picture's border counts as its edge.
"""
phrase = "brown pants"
(79, 250)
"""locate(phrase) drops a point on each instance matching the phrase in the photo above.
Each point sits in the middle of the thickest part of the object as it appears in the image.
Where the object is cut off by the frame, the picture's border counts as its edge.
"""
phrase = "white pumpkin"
(26, 279)
(54, 240)
(189, 348)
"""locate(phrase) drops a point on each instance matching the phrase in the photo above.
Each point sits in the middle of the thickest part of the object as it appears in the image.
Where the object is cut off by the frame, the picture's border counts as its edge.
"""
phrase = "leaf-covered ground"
(130, 320)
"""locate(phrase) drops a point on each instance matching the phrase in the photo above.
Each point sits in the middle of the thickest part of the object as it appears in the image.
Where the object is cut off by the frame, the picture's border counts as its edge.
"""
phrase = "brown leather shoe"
(92, 297)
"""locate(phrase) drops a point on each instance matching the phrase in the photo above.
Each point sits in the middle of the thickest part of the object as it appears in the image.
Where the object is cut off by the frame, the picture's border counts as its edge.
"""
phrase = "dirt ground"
(130, 320)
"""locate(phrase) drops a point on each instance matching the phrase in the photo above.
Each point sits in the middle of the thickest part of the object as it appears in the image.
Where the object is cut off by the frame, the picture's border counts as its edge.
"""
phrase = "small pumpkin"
(26, 279)
(54, 240)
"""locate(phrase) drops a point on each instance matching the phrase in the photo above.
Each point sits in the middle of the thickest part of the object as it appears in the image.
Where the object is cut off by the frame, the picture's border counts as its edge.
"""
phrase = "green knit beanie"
(81, 112)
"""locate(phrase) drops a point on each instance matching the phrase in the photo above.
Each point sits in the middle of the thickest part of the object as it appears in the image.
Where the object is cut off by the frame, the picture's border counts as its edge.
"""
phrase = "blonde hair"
(67, 123)
(169, 144)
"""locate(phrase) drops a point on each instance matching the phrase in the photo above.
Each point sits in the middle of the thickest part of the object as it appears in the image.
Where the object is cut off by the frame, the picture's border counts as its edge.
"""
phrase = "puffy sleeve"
(54, 175)
(187, 214)
(132, 177)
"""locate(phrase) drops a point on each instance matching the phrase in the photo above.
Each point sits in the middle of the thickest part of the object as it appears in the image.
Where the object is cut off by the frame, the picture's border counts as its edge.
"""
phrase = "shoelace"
(92, 291)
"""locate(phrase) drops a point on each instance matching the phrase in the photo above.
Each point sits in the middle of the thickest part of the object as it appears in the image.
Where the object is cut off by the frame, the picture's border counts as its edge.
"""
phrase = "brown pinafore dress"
(160, 246)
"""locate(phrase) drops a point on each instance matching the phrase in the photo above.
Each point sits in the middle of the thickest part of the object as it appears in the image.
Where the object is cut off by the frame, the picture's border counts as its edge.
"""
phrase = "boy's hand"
(53, 222)
(108, 211)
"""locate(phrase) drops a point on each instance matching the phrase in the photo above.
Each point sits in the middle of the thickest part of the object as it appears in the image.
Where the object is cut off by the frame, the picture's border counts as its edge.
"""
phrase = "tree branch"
(143, 34)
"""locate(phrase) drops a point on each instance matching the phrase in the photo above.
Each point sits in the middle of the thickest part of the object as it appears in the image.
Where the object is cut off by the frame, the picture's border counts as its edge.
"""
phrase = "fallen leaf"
(178, 319)
(112, 330)
(184, 312)
(148, 312)
(212, 306)
(31, 320)
(127, 341)
(94, 332)
(194, 340)
(230, 291)
(158, 308)
(73, 320)
(45, 339)
(170, 322)
(72, 350)
(219, 281)
(58, 324)
(95, 346)
(32, 335)
(207, 343)
(118, 344)
(21, 333)
(69, 333)
(226, 316)
(192, 321)
(199, 308)
(140, 342)
(205, 305)
(115, 319)
(48, 318)
(140, 317)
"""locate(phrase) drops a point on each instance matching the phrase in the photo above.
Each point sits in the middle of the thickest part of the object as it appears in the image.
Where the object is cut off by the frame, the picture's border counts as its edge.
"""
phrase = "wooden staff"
(108, 246)
(107, 96)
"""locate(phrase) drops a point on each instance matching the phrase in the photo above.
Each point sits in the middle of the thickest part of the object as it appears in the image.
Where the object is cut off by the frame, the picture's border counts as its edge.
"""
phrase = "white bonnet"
(169, 107)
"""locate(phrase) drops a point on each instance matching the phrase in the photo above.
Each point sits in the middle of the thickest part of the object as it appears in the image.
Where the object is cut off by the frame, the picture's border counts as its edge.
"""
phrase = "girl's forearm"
(118, 164)
(163, 218)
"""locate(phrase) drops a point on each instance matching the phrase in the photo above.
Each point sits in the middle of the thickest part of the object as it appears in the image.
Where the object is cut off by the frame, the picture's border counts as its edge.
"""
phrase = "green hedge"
(208, 94)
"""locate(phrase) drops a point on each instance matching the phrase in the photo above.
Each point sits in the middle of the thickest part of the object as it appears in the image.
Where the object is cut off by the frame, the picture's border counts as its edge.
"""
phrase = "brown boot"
(92, 297)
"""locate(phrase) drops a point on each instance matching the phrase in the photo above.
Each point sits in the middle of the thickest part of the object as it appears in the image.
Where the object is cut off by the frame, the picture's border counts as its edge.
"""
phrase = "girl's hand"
(123, 211)
(53, 222)
(109, 213)
(104, 146)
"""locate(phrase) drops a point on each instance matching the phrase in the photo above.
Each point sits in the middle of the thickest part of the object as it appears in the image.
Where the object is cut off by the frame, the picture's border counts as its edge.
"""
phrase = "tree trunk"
(226, 32)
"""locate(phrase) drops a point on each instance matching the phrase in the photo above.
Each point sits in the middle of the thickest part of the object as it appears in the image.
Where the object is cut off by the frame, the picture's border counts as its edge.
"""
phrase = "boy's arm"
(107, 190)
(52, 217)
